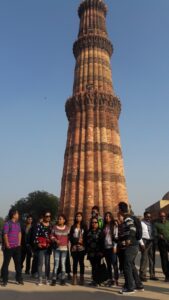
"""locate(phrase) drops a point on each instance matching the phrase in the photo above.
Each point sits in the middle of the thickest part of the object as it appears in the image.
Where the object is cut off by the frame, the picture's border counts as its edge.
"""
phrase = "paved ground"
(153, 290)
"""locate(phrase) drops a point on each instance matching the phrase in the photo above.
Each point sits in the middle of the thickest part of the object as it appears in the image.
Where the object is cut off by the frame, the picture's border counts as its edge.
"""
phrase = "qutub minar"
(93, 171)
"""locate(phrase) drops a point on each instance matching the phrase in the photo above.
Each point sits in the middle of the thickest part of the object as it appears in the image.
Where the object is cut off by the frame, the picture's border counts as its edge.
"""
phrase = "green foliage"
(36, 203)
(1, 223)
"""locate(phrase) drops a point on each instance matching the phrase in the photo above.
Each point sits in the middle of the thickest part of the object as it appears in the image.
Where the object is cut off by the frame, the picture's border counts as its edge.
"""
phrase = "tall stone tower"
(93, 171)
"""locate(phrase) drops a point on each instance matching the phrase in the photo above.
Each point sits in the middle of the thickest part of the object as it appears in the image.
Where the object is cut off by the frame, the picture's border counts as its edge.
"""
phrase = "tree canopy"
(36, 203)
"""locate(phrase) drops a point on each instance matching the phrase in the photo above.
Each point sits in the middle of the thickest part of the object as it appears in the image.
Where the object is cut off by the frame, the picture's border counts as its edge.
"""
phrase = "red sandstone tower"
(93, 171)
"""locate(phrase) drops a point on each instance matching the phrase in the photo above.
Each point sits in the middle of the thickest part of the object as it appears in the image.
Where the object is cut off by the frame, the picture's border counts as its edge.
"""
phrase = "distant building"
(161, 205)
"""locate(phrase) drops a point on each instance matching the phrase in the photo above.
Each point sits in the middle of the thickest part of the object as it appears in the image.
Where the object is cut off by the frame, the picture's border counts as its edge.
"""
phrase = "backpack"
(139, 231)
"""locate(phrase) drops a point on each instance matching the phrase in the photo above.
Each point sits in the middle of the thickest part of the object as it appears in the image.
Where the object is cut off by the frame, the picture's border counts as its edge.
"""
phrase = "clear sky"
(36, 78)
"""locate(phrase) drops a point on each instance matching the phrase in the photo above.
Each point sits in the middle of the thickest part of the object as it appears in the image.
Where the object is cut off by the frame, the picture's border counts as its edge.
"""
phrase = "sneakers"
(62, 282)
(109, 283)
(40, 282)
(47, 281)
(93, 283)
(143, 279)
(125, 291)
(139, 288)
(154, 278)
(4, 284)
(20, 282)
(53, 283)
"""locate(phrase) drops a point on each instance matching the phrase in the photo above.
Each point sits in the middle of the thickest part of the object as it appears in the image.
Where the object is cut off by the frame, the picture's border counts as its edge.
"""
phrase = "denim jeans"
(59, 256)
(131, 276)
(111, 260)
(44, 255)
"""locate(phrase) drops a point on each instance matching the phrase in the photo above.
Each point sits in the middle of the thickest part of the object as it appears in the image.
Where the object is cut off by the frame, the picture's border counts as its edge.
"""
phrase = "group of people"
(114, 240)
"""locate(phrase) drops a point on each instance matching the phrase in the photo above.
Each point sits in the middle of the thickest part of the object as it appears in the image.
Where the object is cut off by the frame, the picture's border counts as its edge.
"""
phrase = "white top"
(145, 232)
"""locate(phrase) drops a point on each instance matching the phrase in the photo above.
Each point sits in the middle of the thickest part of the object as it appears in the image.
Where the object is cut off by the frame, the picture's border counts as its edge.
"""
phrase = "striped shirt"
(12, 230)
(61, 234)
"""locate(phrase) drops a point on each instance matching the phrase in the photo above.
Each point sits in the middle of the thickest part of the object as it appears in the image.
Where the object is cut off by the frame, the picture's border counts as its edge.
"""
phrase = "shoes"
(34, 275)
(47, 281)
(53, 282)
(81, 282)
(154, 278)
(93, 283)
(125, 291)
(143, 279)
(40, 282)
(62, 282)
(116, 283)
(4, 284)
(20, 282)
(74, 280)
(69, 277)
(27, 272)
(109, 283)
(139, 288)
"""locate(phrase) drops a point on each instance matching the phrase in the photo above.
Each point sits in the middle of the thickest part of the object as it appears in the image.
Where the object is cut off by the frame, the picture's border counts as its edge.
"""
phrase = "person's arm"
(6, 242)
(19, 238)
(6, 232)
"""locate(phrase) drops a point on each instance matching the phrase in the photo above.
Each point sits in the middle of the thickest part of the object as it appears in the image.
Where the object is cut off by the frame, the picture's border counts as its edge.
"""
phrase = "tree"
(36, 203)
(1, 223)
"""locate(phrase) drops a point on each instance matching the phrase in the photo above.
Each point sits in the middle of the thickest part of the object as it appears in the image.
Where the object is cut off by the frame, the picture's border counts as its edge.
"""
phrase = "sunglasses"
(94, 222)
(47, 216)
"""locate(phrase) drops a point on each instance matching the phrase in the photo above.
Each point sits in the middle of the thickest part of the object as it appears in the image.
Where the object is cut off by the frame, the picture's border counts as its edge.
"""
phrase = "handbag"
(43, 242)
(101, 273)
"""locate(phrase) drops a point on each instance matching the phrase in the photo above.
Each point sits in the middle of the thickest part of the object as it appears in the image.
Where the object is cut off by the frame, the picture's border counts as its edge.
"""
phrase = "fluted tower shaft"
(93, 171)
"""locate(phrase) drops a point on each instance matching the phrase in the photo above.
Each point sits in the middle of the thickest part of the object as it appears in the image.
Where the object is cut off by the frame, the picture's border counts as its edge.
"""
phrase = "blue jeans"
(111, 259)
(131, 276)
(44, 255)
(59, 255)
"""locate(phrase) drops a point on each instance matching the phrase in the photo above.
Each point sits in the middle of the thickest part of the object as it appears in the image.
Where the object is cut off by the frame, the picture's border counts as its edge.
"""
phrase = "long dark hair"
(111, 222)
(82, 224)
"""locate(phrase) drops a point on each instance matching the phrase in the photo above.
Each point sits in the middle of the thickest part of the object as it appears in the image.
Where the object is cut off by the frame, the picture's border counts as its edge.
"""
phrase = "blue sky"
(36, 78)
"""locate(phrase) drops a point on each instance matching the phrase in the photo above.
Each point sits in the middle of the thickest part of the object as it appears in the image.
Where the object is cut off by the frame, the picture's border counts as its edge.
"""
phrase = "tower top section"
(92, 4)
(93, 49)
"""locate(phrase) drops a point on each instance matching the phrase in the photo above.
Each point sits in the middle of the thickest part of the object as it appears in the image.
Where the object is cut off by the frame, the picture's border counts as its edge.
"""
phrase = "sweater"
(61, 235)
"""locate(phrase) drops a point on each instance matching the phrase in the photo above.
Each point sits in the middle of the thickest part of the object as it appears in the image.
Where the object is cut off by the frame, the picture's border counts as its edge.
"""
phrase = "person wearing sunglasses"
(95, 247)
(42, 239)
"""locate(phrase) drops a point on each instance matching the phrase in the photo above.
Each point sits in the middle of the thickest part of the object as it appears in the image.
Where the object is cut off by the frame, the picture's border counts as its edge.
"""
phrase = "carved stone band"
(89, 146)
(95, 177)
(92, 41)
(87, 4)
(96, 100)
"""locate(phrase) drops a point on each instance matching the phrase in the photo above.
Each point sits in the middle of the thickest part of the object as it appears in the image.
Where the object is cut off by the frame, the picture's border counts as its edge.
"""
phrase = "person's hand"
(128, 242)
(142, 248)
(57, 242)
(161, 236)
(39, 246)
(80, 241)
